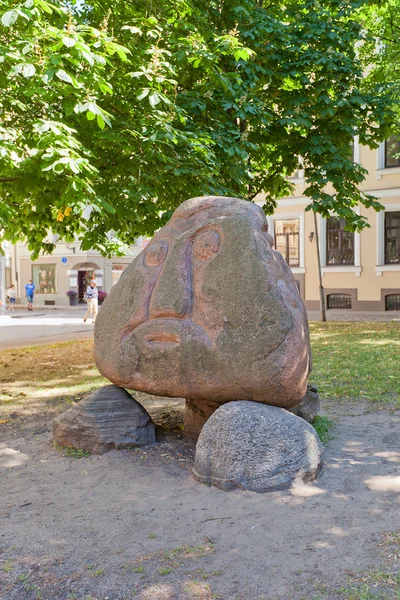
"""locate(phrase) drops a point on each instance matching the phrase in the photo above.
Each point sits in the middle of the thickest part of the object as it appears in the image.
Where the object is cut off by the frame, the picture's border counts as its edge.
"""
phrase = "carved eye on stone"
(156, 253)
(206, 244)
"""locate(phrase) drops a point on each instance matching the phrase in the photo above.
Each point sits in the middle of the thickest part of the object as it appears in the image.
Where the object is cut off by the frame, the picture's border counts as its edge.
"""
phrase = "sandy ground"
(136, 524)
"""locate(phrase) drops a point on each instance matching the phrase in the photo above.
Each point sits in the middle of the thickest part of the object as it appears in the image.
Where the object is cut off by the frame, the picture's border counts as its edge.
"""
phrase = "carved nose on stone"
(172, 294)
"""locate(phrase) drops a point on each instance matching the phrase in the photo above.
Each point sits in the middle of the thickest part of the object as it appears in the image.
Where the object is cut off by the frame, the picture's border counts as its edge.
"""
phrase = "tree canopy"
(381, 51)
(111, 116)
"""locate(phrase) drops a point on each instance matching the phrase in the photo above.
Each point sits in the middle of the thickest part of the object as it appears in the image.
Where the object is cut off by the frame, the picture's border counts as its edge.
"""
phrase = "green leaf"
(74, 167)
(9, 18)
(105, 87)
(45, 6)
(48, 76)
(28, 70)
(100, 121)
(63, 75)
(154, 99)
(90, 115)
(58, 167)
(145, 92)
(107, 206)
(68, 41)
(132, 29)
(88, 57)
(44, 127)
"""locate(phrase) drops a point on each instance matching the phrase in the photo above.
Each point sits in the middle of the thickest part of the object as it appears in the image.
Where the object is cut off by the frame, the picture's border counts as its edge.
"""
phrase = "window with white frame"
(392, 152)
(287, 229)
(392, 237)
(388, 239)
(388, 155)
(339, 243)
(287, 240)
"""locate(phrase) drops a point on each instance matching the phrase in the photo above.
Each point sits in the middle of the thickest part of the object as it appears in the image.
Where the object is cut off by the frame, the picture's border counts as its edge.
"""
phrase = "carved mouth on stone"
(161, 339)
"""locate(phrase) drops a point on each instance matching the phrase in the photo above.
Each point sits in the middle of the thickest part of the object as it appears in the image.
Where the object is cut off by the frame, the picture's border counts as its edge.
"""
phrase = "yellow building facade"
(360, 272)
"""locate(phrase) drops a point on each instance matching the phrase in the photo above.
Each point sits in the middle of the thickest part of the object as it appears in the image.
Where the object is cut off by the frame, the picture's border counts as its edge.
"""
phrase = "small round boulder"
(256, 447)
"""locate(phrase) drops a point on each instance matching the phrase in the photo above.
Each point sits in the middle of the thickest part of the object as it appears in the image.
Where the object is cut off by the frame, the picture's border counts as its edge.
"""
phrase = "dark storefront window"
(287, 234)
(339, 243)
(392, 238)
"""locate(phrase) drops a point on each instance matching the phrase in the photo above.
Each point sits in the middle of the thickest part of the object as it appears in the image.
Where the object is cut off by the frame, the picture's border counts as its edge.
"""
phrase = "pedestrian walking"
(12, 295)
(92, 297)
(29, 293)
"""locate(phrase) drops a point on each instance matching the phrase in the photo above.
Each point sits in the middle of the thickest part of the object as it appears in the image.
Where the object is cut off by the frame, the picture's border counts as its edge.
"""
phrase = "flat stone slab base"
(109, 418)
(256, 447)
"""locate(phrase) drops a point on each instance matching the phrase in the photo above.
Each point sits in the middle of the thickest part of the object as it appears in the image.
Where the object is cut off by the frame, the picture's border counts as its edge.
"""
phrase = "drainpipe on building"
(321, 287)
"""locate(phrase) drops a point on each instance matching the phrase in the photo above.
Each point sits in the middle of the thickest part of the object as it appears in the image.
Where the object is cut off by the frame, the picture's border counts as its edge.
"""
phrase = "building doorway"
(84, 279)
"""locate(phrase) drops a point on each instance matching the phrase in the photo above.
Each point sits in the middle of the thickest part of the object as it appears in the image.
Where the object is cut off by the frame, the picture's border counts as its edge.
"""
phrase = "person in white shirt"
(92, 297)
(11, 295)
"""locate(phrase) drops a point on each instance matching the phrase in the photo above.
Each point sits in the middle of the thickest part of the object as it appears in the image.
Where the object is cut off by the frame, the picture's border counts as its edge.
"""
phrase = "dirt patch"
(135, 524)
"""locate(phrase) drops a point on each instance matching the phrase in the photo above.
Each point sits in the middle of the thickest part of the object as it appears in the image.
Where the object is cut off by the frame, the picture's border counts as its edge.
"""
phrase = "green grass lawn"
(357, 361)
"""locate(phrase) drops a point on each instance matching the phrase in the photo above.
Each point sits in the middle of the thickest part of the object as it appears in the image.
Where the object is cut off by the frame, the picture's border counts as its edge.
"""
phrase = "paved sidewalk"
(23, 328)
(352, 315)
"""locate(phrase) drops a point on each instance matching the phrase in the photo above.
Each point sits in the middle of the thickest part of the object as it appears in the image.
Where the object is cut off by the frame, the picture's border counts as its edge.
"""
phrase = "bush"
(72, 294)
(102, 296)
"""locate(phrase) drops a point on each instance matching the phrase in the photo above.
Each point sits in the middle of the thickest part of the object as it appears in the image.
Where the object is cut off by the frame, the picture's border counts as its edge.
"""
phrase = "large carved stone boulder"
(109, 418)
(256, 447)
(207, 311)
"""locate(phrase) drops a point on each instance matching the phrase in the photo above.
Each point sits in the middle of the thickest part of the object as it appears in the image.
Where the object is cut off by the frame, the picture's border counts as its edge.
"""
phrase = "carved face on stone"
(208, 310)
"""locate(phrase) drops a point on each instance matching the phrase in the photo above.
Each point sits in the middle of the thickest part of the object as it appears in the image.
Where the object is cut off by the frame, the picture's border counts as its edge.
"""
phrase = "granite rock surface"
(255, 447)
(310, 405)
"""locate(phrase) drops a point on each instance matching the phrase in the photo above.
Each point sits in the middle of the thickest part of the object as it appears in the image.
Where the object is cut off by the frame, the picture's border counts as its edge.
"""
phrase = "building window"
(287, 234)
(392, 302)
(392, 237)
(44, 278)
(392, 152)
(339, 301)
(339, 243)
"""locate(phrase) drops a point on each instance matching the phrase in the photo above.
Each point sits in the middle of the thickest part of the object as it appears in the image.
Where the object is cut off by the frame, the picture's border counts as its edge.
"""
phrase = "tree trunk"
(2, 283)
(321, 287)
